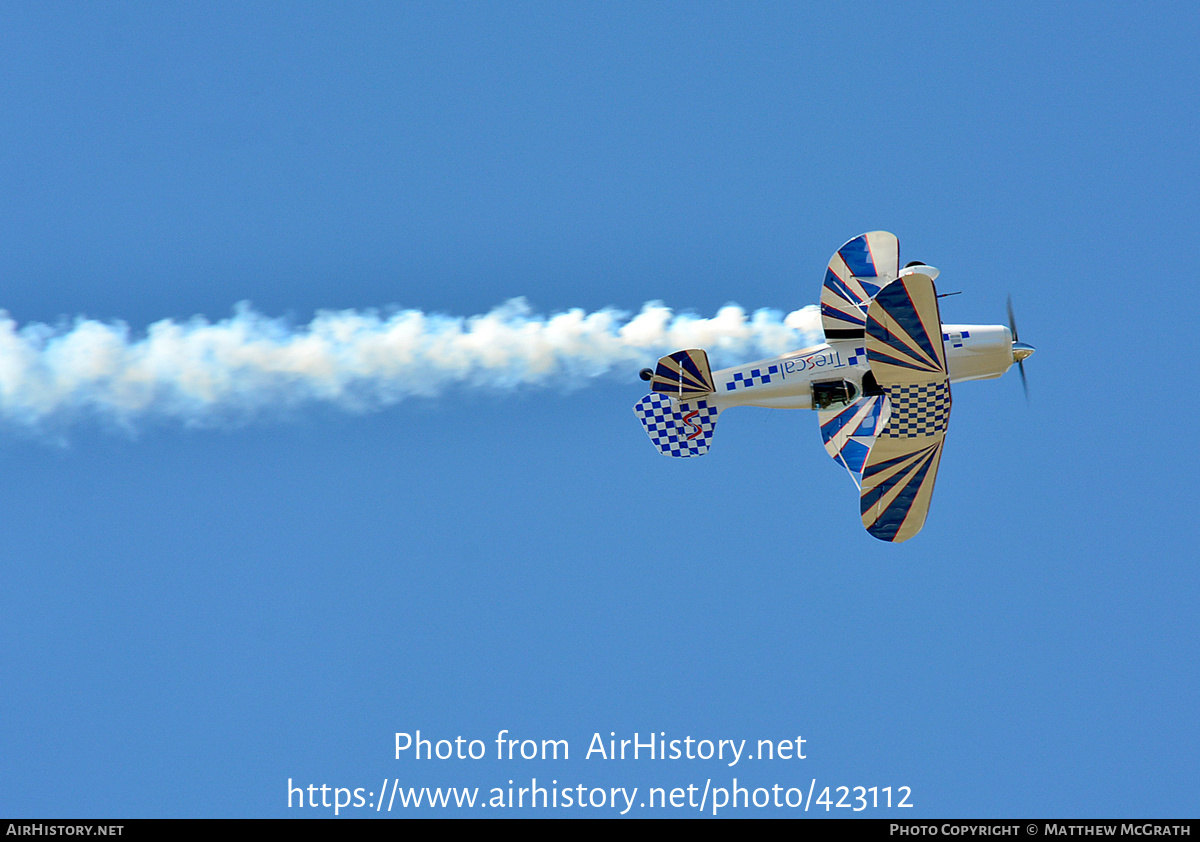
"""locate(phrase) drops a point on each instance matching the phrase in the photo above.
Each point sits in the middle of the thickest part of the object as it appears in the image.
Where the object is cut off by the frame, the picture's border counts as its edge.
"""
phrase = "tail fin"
(682, 430)
(683, 375)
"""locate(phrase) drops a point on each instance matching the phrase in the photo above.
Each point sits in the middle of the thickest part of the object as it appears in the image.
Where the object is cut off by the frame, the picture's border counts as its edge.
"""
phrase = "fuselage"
(973, 352)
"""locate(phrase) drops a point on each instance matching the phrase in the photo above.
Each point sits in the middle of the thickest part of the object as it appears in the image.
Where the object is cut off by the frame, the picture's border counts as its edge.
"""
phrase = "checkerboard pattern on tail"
(677, 429)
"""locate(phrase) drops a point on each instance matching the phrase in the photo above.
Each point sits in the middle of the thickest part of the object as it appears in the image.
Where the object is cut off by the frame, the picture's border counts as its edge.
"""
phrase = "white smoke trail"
(198, 371)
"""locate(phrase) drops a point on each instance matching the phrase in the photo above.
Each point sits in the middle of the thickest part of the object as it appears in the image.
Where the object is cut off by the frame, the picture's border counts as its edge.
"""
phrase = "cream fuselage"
(973, 352)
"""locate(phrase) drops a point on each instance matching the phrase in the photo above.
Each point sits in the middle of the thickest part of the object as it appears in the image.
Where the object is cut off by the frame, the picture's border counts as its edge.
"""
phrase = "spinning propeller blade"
(1020, 350)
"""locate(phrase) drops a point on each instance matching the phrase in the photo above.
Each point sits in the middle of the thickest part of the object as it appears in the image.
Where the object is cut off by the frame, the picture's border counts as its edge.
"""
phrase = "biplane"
(880, 383)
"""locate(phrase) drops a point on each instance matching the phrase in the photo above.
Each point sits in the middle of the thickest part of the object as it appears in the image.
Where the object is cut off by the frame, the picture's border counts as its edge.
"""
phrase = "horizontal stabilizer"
(683, 375)
(678, 429)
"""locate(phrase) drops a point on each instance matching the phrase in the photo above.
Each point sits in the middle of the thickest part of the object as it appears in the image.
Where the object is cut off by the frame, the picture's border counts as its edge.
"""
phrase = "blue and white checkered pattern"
(754, 377)
(857, 356)
(918, 410)
(664, 423)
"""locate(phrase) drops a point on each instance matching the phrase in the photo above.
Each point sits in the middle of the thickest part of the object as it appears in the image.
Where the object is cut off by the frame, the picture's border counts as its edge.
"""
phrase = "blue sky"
(194, 614)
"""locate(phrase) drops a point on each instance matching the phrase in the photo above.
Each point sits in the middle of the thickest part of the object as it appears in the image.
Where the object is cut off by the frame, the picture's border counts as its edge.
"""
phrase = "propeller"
(1020, 350)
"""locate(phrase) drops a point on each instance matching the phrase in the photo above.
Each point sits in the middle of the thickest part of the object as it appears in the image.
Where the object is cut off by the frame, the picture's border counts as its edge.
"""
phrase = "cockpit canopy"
(833, 394)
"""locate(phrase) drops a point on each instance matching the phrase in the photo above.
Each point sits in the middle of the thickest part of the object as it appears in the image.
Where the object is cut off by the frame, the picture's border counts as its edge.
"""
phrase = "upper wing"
(855, 274)
(906, 355)
(904, 333)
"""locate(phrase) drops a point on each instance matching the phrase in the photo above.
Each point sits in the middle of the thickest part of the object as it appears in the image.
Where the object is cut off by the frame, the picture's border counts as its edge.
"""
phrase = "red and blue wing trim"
(904, 331)
(896, 491)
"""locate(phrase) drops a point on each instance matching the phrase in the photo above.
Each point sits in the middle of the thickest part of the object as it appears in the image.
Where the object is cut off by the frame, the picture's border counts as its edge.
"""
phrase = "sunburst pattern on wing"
(858, 270)
(908, 359)
(904, 333)
(897, 487)
(849, 433)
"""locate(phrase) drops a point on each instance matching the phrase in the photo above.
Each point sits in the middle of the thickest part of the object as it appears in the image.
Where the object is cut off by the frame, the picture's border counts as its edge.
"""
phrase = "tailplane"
(678, 429)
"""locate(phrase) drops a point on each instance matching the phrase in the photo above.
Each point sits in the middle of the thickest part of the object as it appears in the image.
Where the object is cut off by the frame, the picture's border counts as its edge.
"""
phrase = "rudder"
(684, 375)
